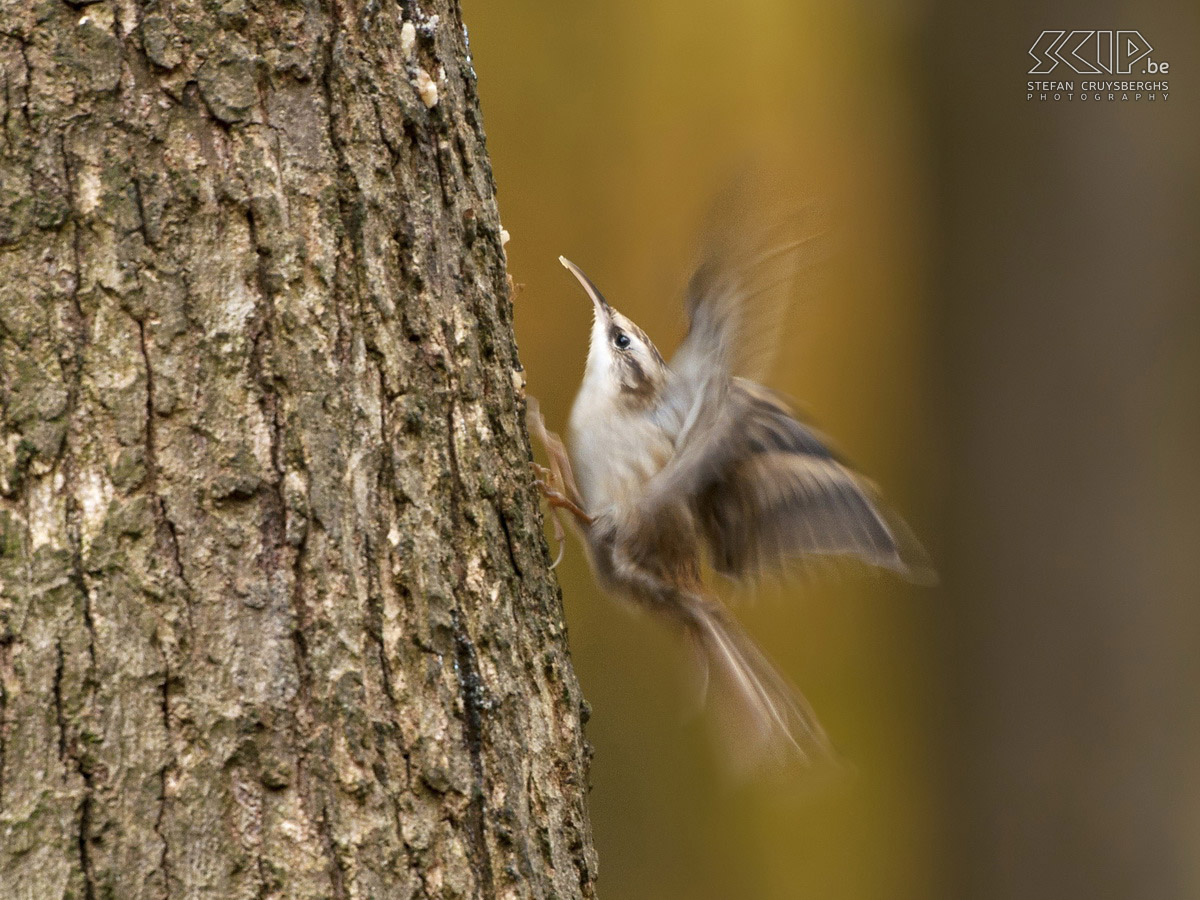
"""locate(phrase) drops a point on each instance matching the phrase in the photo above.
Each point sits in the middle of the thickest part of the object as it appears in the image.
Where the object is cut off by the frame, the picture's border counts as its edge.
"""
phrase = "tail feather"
(770, 715)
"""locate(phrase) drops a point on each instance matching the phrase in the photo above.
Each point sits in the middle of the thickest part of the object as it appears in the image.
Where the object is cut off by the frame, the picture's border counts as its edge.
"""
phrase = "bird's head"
(623, 365)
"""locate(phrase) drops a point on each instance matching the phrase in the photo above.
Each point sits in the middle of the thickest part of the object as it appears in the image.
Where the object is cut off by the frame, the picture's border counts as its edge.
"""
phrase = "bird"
(678, 469)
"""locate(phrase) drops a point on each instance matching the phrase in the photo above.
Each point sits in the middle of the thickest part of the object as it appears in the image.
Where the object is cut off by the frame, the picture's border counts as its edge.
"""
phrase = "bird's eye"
(621, 341)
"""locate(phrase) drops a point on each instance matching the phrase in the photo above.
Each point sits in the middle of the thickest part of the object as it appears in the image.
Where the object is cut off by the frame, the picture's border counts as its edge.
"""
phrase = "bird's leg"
(558, 500)
(560, 534)
(560, 465)
(557, 483)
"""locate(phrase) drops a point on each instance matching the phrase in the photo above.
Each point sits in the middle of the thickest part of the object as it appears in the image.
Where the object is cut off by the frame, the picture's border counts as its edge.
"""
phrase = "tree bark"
(275, 612)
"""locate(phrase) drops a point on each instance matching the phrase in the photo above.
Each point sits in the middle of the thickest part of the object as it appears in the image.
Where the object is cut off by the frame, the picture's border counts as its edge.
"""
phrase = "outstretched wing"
(753, 258)
(764, 487)
(782, 495)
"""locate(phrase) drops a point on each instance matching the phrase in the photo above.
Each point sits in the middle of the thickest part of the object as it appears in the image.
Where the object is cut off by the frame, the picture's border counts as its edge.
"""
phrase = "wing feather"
(774, 503)
(763, 487)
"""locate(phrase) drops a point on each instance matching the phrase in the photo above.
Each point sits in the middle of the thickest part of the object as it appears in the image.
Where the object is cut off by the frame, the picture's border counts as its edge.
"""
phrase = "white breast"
(614, 455)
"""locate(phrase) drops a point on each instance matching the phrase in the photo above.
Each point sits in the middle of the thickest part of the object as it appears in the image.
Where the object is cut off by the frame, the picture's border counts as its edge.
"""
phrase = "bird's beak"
(602, 307)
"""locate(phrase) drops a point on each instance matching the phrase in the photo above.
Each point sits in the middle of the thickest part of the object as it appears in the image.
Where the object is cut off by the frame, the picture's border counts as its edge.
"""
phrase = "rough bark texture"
(275, 615)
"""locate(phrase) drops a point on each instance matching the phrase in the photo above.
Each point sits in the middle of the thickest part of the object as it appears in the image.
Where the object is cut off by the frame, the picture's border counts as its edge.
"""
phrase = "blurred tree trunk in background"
(275, 614)
(1068, 274)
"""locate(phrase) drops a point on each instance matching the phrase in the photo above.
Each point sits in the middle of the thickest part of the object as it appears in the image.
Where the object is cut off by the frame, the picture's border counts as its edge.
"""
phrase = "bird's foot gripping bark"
(548, 485)
(557, 482)
(560, 534)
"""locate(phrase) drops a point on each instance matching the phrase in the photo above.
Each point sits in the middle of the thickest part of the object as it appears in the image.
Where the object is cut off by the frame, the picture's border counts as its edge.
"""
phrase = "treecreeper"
(681, 467)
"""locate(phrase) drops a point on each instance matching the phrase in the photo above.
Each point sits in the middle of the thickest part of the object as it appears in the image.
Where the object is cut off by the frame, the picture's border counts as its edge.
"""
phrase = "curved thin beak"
(601, 304)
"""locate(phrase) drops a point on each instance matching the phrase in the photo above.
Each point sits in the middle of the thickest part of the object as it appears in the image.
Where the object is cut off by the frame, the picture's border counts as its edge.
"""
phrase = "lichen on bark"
(275, 613)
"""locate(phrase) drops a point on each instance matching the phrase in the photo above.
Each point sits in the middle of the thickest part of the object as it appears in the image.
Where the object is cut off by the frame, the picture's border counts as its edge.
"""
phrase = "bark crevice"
(470, 687)
(473, 705)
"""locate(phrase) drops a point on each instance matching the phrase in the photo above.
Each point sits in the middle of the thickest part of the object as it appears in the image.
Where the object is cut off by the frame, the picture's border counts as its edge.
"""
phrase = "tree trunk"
(275, 613)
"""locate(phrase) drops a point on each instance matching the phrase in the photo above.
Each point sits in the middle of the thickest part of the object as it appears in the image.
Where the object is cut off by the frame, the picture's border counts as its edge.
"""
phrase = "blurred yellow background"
(611, 126)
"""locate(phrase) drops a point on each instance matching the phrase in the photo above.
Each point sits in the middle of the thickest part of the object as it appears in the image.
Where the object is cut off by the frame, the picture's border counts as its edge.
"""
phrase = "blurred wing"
(783, 495)
(765, 487)
(767, 490)
(755, 253)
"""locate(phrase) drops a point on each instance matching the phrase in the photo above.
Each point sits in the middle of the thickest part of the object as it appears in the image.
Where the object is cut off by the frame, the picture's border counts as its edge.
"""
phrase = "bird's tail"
(767, 716)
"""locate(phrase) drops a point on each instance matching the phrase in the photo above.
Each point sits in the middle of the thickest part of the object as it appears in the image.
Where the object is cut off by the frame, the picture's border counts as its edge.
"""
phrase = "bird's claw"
(553, 499)
(557, 483)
